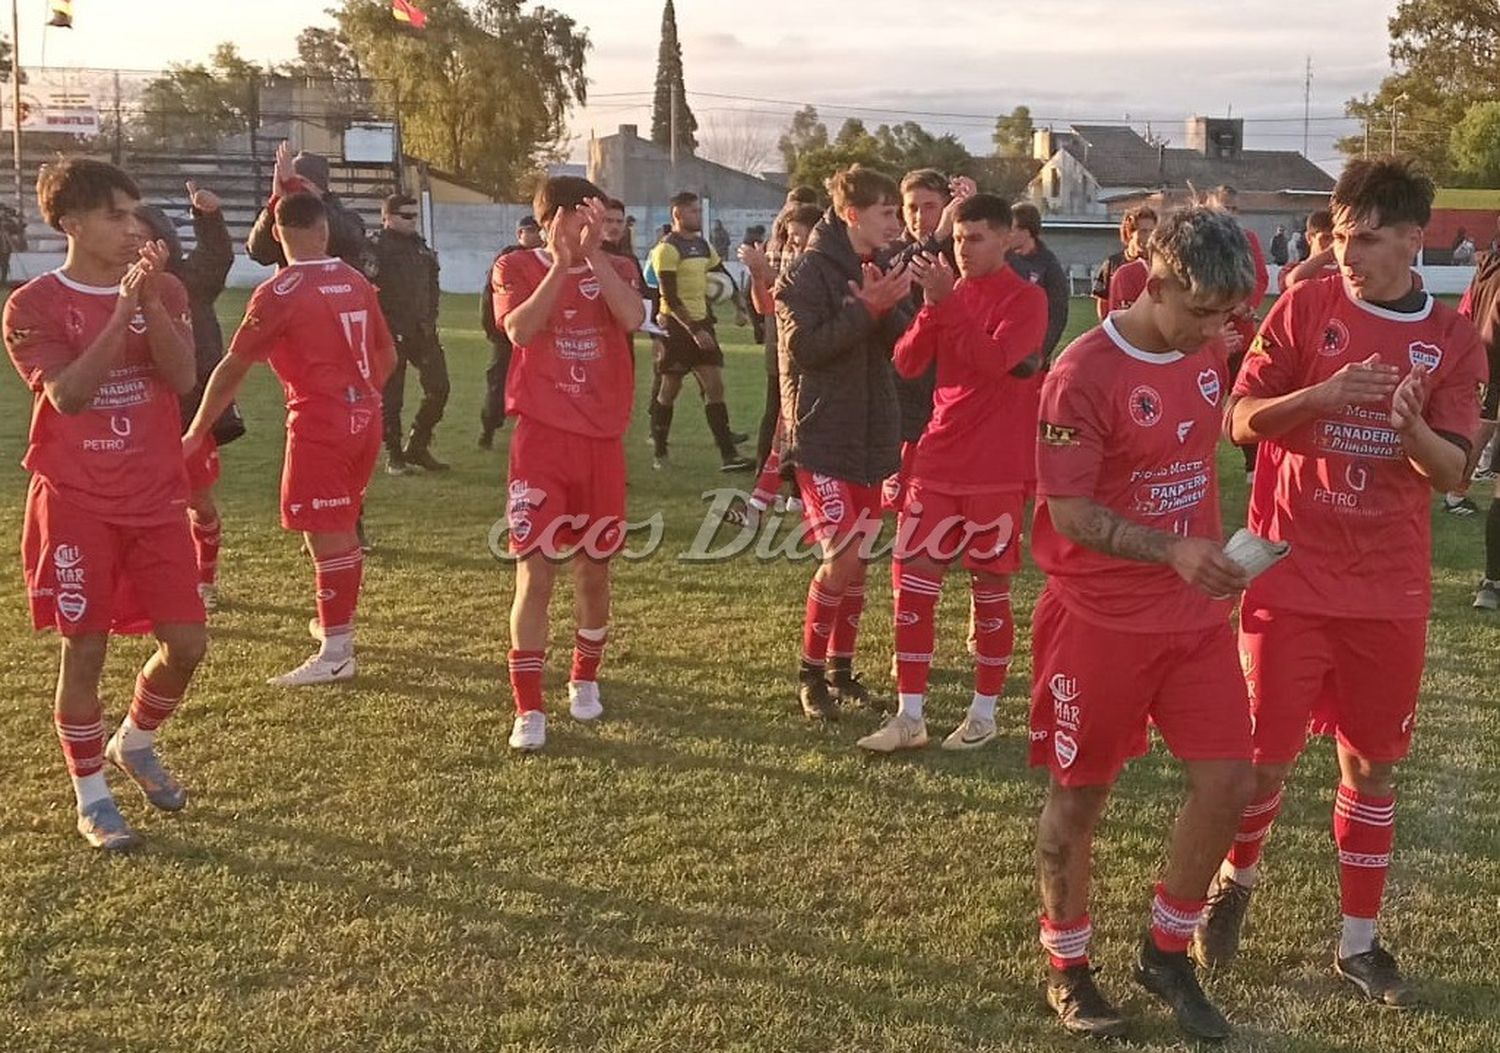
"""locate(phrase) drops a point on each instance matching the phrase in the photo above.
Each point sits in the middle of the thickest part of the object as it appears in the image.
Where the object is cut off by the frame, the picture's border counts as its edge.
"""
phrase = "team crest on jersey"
(138, 323)
(73, 320)
(1145, 405)
(589, 287)
(1428, 356)
(830, 497)
(1058, 434)
(1335, 338)
(287, 281)
(72, 605)
(1209, 386)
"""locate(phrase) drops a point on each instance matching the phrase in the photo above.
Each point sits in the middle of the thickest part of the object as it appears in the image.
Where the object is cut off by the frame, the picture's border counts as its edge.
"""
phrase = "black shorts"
(681, 354)
(1490, 411)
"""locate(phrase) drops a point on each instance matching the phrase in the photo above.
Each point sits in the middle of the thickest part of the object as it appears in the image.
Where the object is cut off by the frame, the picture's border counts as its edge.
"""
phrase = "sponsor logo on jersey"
(1209, 386)
(1183, 428)
(66, 556)
(1064, 687)
(1261, 345)
(1428, 356)
(1145, 405)
(1335, 338)
(1058, 434)
(287, 281)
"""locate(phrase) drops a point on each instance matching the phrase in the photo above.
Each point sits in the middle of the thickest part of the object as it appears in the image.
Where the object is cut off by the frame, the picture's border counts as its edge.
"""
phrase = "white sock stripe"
(1367, 816)
(598, 635)
(73, 733)
(1365, 859)
(839, 654)
(1255, 837)
(854, 590)
(991, 597)
(334, 568)
(151, 697)
(1067, 943)
(984, 659)
(922, 586)
(906, 656)
(824, 599)
(527, 667)
(1253, 810)
(1177, 922)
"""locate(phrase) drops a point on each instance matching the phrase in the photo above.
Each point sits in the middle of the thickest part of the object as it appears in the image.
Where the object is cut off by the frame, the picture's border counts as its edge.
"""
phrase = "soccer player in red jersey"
(1363, 391)
(1243, 324)
(106, 345)
(1133, 625)
(318, 325)
(1128, 283)
(973, 465)
(569, 310)
(1320, 262)
(1135, 235)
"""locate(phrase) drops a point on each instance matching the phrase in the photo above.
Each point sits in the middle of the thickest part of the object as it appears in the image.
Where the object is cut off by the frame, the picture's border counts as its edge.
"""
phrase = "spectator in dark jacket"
(1035, 262)
(12, 239)
(1135, 233)
(346, 230)
(1279, 247)
(203, 273)
(839, 313)
(492, 413)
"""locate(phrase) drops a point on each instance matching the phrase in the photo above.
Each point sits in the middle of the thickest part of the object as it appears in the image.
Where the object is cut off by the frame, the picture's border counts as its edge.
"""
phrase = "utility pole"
(1307, 107)
(672, 124)
(15, 101)
(1396, 117)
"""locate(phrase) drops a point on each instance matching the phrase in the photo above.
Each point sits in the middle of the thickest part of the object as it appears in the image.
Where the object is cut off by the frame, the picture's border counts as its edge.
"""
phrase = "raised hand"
(564, 249)
(878, 291)
(202, 200)
(1359, 383)
(591, 236)
(152, 263)
(285, 174)
(962, 188)
(1409, 400)
(933, 273)
(753, 256)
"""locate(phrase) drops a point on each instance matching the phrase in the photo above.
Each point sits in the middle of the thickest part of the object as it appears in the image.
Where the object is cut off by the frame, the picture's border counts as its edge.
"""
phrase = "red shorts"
(1094, 691)
(893, 490)
(984, 528)
(85, 575)
(837, 509)
(566, 492)
(324, 477)
(203, 466)
(1357, 678)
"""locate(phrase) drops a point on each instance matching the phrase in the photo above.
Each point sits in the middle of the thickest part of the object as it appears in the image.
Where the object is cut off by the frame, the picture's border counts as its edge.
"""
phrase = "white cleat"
(583, 701)
(316, 670)
(898, 733)
(529, 732)
(971, 734)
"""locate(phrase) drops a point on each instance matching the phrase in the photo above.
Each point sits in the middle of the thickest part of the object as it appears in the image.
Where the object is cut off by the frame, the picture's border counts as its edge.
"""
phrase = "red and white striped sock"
(1174, 920)
(526, 679)
(150, 707)
(817, 625)
(82, 741)
(916, 601)
(1364, 829)
(767, 483)
(1242, 865)
(994, 641)
(588, 654)
(1067, 943)
(337, 579)
(207, 534)
(845, 636)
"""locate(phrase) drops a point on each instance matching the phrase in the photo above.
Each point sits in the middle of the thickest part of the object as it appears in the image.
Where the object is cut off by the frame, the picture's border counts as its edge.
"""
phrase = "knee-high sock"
(845, 635)
(150, 708)
(768, 482)
(916, 601)
(338, 579)
(994, 638)
(82, 742)
(817, 626)
(207, 534)
(1174, 920)
(588, 654)
(1364, 829)
(718, 424)
(1250, 839)
(526, 679)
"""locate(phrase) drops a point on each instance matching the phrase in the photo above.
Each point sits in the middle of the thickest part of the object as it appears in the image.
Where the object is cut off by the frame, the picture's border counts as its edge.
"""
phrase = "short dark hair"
(559, 192)
(803, 195)
(861, 187)
(300, 211)
(528, 223)
(395, 203)
(1386, 190)
(926, 179)
(79, 184)
(1320, 222)
(986, 208)
(683, 198)
(614, 204)
(1027, 217)
(807, 215)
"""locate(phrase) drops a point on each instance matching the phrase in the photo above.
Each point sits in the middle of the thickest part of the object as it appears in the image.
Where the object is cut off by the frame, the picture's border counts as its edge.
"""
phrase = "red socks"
(1173, 921)
(817, 627)
(768, 483)
(151, 706)
(526, 679)
(916, 600)
(846, 626)
(82, 743)
(1067, 944)
(588, 654)
(994, 638)
(206, 536)
(337, 579)
(1255, 824)
(1364, 829)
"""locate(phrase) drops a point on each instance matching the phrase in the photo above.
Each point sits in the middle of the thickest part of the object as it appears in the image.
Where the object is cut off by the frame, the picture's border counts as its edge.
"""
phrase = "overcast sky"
(1066, 59)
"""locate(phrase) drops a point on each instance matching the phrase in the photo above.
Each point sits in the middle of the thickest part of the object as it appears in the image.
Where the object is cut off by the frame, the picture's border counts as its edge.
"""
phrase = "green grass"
(367, 868)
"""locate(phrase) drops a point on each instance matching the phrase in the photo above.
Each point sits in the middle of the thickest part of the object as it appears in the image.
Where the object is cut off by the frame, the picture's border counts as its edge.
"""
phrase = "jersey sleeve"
(1273, 362)
(514, 283)
(1454, 403)
(35, 338)
(1073, 433)
(665, 259)
(261, 328)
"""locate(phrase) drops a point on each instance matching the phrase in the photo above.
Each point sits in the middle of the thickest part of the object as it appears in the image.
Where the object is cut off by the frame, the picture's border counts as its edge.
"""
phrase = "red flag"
(408, 13)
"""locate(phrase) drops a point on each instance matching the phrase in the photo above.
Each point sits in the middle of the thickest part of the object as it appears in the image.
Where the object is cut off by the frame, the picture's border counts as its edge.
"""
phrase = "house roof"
(1118, 157)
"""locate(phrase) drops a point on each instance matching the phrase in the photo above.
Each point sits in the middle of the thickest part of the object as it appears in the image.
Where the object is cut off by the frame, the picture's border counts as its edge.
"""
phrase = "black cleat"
(738, 437)
(817, 701)
(1172, 979)
(1217, 940)
(737, 464)
(1378, 977)
(850, 690)
(1080, 1005)
(422, 457)
(487, 439)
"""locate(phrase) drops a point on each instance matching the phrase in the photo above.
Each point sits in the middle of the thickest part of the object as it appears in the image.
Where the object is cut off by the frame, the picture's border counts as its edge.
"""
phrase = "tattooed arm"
(1199, 561)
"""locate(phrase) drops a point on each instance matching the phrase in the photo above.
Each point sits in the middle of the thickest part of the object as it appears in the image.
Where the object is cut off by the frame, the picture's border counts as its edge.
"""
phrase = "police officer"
(405, 271)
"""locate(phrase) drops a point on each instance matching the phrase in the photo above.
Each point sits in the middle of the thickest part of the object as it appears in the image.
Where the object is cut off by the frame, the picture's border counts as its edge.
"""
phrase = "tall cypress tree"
(668, 75)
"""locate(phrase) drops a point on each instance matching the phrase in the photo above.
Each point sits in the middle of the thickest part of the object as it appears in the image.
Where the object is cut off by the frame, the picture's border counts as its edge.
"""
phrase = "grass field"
(368, 868)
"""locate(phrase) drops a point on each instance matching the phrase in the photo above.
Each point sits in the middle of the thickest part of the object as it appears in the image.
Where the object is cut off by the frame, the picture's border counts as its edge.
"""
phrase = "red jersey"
(1127, 284)
(1137, 433)
(577, 374)
(1262, 272)
(121, 458)
(982, 436)
(317, 323)
(1284, 276)
(1339, 487)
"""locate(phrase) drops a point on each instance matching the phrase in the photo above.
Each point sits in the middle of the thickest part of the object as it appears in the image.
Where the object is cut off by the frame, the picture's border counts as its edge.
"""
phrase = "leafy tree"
(1013, 133)
(194, 106)
(484, 91)
(670, 85)
(1475, 145)
(325, 53)
(806, 134)
(851, 132)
